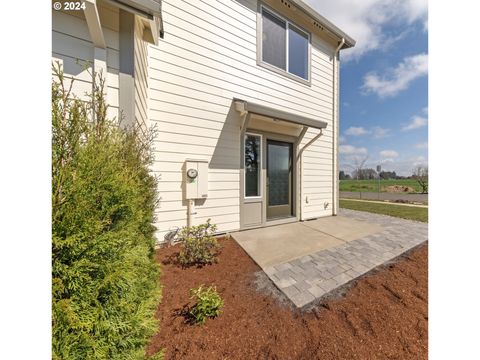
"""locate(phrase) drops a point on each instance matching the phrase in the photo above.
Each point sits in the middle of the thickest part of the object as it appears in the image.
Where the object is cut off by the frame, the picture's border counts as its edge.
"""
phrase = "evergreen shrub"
(105, 286)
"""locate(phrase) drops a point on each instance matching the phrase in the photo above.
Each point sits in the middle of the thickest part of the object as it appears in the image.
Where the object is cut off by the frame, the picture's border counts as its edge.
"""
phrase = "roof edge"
(307, 9)
(150, 8)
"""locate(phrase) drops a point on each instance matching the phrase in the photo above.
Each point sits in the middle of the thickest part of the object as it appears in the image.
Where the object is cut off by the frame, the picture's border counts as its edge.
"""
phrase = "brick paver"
(311, 277)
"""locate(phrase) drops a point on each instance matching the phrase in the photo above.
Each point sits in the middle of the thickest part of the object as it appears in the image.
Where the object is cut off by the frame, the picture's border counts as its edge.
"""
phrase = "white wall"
(141, 76)
(71, 44)
(208, 56)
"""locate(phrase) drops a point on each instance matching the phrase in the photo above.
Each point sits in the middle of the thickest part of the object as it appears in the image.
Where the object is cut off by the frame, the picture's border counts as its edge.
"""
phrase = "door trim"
(295, 181)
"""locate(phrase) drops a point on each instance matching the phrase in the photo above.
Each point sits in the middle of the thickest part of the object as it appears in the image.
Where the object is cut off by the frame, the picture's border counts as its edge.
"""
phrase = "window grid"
(288, 25)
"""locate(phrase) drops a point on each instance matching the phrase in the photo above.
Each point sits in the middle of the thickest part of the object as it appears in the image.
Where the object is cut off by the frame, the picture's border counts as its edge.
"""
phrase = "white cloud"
(420, 161)
(376, 131)
(352, 150)
(396, 79)
(423, 145)
(415, 9)
(379, 132)
(415, 123)
(356, 131)
(364, 20)
(341, 139)
(404, 167)
(388, 154)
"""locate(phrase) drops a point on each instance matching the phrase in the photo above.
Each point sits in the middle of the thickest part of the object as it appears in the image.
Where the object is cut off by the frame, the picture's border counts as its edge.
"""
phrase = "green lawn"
(405, 212)
(372, 185)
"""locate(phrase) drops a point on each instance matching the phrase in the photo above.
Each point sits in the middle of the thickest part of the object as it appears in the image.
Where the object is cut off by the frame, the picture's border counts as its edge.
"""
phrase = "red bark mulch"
(384, 315)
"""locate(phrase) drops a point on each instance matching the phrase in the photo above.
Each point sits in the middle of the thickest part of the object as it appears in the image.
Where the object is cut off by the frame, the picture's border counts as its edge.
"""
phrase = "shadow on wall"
(248, 4)
(74, 67)
(226, 155)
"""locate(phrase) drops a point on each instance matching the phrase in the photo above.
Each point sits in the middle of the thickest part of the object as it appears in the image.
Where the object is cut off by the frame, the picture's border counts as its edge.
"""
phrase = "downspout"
(240, 107)
(300, 170)
(335, 129)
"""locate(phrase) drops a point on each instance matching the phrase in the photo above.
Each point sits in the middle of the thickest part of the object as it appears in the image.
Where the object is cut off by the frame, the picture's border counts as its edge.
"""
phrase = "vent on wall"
(318, 26)
(287, 4)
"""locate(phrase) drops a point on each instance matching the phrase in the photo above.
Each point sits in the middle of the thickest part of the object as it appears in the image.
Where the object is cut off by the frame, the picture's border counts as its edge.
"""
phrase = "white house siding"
(71, 44)
(141, 75)
(208, 56)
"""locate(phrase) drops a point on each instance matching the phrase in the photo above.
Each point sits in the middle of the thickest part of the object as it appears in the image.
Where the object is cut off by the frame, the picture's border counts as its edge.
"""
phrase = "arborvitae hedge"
(105, 281)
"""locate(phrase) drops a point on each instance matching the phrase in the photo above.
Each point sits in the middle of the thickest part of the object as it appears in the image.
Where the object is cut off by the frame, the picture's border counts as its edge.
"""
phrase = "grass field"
(404, 212)
(372, 185)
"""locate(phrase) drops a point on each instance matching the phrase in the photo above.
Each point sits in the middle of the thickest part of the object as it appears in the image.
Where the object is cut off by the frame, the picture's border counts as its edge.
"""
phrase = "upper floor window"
(284, 45)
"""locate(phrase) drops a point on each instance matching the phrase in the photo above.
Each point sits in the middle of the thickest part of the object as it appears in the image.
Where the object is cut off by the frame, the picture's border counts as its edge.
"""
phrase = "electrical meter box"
(196, 177)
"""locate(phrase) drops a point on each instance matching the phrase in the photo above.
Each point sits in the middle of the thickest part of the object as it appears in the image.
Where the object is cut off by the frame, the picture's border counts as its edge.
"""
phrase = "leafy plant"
(208, 305)
(420, 174)
(105, 287)
(199, 246)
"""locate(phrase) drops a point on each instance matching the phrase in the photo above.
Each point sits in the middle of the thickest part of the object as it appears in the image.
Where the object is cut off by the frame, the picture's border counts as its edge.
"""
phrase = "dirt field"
(382, 316)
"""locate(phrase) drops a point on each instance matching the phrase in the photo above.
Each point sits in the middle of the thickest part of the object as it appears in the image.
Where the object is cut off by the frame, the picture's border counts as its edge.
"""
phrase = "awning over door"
(254, 108)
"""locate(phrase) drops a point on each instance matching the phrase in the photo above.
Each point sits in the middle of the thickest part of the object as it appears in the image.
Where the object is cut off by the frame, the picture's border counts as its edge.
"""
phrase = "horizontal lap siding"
(73, 49)
(317, 176)
(141, 76)
(208, 56)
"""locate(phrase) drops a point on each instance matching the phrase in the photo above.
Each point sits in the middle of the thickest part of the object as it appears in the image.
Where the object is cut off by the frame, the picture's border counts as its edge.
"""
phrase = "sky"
(383, 82)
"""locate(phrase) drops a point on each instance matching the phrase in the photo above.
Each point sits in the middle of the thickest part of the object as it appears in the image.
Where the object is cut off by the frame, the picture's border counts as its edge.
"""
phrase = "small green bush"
(199, 246)
(208, 305)
(105, 287)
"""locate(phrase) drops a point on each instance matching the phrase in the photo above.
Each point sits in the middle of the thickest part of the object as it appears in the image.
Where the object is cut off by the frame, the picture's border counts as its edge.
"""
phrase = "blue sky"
(384, 82)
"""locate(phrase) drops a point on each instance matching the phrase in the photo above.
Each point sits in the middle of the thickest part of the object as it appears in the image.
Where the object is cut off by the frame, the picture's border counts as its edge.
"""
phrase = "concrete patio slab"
(270, 246)
(278, 244)
(343, 228)
(306, 263)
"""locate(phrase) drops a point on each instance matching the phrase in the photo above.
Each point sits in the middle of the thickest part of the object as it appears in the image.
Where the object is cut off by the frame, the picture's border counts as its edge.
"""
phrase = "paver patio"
(334, 253)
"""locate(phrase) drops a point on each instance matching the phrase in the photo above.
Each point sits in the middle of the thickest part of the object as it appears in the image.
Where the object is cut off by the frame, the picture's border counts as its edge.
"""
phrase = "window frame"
(274, 68)
(260, 177)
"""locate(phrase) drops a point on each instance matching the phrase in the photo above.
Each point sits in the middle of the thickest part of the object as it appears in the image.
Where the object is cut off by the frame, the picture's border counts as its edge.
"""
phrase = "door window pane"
(297, 52)
(278, 174)
(252, 165)
(273, 40)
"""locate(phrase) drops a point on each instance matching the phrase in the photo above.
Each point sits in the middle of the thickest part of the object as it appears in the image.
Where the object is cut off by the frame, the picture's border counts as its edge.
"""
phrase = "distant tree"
(342, 175)
(420, 174)
(369, 174)
(365, 174)
(348, 177)
(385, 175)
(357, 173)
